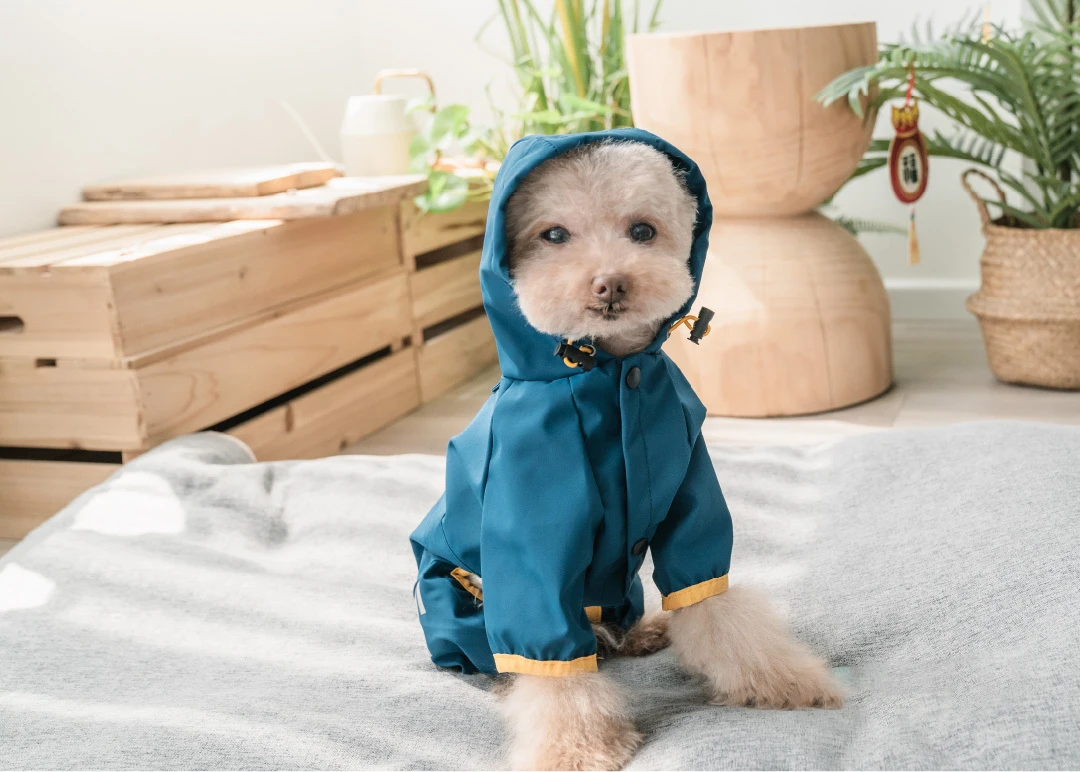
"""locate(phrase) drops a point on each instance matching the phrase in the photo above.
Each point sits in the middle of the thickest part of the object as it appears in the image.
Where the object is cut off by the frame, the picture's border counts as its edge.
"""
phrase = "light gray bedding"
(201, 611)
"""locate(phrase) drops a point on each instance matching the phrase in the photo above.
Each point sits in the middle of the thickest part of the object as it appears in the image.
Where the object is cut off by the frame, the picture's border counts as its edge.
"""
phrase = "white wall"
(95, 89)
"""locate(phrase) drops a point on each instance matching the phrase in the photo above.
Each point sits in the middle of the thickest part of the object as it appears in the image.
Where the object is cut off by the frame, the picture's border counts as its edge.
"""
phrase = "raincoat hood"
(525, 353)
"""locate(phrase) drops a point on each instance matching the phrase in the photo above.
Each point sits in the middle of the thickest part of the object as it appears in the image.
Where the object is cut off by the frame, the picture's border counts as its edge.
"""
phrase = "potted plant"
(1022, 99)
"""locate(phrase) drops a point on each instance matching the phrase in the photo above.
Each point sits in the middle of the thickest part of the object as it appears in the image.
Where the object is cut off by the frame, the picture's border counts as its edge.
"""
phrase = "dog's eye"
(556, 235)
(641, 232)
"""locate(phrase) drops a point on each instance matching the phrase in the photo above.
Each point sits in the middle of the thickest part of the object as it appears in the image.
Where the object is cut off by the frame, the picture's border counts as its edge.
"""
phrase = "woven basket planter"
(1029, 303)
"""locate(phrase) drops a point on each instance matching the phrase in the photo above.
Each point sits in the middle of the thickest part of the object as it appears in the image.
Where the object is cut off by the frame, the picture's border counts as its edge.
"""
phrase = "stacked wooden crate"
(452, 334)
(298, 337)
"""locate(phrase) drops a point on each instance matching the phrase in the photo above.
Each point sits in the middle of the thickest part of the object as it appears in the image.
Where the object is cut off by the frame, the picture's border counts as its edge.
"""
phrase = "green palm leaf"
(1017, 93)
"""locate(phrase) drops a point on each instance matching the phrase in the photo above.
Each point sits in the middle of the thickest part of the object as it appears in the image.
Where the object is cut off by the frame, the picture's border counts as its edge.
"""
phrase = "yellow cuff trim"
(594, 613)
(462, 577)
(695, 593)
(514, 663)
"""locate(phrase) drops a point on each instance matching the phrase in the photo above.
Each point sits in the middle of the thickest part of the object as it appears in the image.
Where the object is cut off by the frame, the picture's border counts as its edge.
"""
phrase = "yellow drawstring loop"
(586, 349)
(689, 320)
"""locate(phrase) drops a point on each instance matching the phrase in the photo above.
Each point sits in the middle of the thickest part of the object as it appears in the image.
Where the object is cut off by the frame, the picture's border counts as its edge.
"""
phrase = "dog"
(595, 243)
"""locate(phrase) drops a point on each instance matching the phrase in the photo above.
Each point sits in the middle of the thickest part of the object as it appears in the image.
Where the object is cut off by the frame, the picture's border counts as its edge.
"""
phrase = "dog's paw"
(648, 636)
(794, 685)
(601, 743)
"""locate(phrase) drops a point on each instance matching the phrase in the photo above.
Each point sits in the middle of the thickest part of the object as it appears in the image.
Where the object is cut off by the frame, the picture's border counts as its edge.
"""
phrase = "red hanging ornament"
(909, 167)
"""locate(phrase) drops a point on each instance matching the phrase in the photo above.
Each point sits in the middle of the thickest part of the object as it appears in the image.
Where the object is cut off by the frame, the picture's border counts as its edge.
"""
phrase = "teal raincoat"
(565, 479)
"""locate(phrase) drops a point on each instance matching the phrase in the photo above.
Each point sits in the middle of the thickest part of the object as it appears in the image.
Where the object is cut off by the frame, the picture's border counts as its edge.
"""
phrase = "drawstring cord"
(688, 320)
(698, 325)
(582, 356)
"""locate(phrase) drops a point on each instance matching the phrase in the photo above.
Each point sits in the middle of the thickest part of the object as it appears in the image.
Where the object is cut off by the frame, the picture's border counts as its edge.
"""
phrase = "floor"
(941, 378)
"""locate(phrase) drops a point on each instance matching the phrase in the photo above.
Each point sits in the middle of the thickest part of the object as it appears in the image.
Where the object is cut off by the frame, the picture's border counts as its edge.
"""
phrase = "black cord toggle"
(701, 324)
(573, 356)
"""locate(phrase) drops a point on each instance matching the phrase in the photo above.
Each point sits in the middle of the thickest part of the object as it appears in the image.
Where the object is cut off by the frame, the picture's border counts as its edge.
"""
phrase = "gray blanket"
(201, 611)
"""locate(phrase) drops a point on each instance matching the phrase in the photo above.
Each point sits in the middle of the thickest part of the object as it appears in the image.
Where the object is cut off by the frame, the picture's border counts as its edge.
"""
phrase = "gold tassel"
(913, 239)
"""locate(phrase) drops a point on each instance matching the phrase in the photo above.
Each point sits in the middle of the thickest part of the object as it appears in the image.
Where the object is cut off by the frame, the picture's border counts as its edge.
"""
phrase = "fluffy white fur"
(597, 193)
(742, 648)
(573, 722)
(735, 640)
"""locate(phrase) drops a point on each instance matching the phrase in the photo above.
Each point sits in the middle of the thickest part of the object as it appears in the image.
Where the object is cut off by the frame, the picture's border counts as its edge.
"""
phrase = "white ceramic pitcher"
(376, 132)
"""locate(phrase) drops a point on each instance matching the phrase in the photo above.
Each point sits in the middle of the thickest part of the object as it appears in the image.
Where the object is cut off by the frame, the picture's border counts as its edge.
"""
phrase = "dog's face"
(599, 244)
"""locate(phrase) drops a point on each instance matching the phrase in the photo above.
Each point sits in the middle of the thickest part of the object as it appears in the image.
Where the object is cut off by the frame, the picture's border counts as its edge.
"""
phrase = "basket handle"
(984, 213)
(388, 74)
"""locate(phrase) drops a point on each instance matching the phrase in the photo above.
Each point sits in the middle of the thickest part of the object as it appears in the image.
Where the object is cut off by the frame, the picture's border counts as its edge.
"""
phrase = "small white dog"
(599, 241)
(587, 456)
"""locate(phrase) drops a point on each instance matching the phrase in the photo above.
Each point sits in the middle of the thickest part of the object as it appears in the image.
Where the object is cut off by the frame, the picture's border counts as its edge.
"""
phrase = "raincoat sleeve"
(540, 513)
(692, 546)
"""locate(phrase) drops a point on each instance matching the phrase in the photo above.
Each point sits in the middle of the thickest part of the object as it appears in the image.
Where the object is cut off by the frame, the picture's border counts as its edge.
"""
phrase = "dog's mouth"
(608, 311)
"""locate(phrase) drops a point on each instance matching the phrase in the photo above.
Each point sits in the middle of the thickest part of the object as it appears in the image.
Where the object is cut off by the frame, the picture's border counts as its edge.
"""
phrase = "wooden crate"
(135, 402)
(298, 337)
(316, 419)
(453, 339)
(292, 335)
(108, 292)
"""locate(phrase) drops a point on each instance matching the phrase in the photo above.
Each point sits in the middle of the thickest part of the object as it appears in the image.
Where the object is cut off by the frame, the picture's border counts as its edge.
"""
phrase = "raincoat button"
(641, 544)
(633, 377)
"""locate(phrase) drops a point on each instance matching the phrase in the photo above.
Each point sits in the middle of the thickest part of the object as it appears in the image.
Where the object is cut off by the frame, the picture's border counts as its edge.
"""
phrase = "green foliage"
(571, 74)
(857, 225)
(1023, 98)
(570, 62)
(447, 134)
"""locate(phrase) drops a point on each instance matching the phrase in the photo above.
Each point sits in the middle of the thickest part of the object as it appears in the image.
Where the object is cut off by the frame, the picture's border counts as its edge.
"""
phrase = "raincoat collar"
(525, 353)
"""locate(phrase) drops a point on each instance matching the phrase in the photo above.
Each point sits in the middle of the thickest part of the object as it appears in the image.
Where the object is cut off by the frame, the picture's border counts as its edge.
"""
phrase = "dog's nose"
(610, 288)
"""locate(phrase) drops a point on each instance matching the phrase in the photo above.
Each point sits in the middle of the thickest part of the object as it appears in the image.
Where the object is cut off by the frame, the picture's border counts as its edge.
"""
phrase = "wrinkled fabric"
(199, 611)
(564, 479)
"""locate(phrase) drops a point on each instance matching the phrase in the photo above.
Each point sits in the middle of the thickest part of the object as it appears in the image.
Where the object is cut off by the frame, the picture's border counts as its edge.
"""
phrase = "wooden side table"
(802, 318)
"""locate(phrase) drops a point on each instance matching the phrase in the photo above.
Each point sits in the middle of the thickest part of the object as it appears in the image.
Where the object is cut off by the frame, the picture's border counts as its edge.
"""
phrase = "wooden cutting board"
(338, 197)
(240, 182)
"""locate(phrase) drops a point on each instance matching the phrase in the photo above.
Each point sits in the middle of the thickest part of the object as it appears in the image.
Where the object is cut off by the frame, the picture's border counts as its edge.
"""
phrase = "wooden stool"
(802, 318)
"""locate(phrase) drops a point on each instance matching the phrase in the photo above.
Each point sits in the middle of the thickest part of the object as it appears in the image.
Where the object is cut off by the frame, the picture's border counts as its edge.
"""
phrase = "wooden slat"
(339, 197)
(40, 240)
(47, 234)
(425, 232)
(159, 239)
(455, 356)
(323, 421)
(189, 291)
(446, 289)
(186, 281)
(85, 237)
(215, 183)
(54, 407)
(56, 315)
(117, 238)
(33, 491)
(237, 369)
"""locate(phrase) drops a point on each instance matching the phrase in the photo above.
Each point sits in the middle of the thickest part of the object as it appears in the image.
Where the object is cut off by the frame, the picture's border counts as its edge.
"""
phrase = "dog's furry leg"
(572, 722)
(748, 658)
